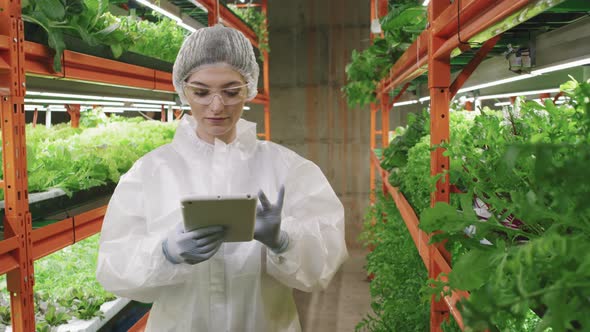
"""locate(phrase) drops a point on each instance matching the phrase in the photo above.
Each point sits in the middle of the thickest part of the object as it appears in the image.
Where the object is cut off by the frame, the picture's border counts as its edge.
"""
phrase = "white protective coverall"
(243, 287)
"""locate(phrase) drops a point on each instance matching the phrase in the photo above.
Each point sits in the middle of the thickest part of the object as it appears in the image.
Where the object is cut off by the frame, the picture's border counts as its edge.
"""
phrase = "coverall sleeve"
(313, 217)
(130, 259)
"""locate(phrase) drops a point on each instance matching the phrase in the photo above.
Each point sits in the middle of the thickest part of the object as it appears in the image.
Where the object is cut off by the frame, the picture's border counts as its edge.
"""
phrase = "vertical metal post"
(163, 114)
(384, 99)
(266, 76)
(74, 112)
(385, 107)
(439, 81)
(382, 11)
(17, 220)
(213, 15)
(35, 116)
(373, 145)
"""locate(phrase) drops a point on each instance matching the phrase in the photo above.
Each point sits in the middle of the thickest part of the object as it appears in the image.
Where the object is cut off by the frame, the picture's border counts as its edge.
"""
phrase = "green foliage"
(77, 17)
(398, 271)
(54, 316)
(412, 180)
(407, 157)
(77, 159)
(161, 40)
(404, 22)
(91, 21)
(255, 19)
(396, 154)
(65, 287)
(532, 164)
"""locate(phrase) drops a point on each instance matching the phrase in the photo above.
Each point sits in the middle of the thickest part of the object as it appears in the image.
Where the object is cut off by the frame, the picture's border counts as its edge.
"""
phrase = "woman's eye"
(231, 92)
(200, 92)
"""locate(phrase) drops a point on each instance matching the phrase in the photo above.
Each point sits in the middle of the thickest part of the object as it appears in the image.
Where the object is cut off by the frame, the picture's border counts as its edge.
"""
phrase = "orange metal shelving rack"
(22, 245)
(432, 51)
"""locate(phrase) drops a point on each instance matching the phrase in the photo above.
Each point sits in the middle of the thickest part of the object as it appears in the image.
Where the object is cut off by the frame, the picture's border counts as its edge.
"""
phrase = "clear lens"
(204, 96)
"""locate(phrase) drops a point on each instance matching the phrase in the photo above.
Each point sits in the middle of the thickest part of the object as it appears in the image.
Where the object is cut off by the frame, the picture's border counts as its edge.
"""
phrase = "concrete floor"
(342, 305)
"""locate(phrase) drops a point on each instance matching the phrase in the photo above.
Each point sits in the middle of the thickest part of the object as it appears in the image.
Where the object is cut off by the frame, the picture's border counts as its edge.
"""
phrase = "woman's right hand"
(192, 247)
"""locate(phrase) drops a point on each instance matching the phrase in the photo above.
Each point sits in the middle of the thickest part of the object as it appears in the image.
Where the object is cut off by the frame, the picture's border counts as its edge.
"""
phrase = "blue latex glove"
(268, 223)
(192, 247)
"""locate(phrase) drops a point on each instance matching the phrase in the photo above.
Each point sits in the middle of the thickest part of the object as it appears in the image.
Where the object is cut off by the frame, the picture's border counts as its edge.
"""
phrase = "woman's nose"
(216, 104)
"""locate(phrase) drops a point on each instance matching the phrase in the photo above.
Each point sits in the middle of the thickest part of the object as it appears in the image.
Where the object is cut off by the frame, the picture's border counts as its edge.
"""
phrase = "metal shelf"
(429, 254)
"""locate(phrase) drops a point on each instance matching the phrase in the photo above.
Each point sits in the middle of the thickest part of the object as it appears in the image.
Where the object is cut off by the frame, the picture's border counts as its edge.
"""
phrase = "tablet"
(236, 212)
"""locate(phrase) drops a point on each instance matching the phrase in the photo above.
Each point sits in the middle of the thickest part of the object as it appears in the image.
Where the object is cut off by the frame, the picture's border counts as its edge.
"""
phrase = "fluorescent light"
(55, 108)
(197, 4)
(159, 10)
(70, 95)
(426, 2)
(33, 107)
(504, 103)
(515, 94)
(246, 108)
(73, 102)
(171, 16)
(186, 26)
(403, 103)
(115, 109)
(570, 64)
(147, 106)
(181, 107)
(494, 83)
(423, 99)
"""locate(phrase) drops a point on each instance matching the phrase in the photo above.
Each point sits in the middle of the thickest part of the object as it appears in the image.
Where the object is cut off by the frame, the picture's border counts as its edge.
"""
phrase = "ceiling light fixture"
(403, 103)
(73, 102)
(494, 83)
(71, 95)
(154, 106)
(514, 94)
(570, 64)
(504, 103)
(171, 16)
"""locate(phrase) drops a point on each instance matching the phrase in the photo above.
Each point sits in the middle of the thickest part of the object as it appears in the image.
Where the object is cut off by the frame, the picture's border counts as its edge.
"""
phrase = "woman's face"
(215, 83)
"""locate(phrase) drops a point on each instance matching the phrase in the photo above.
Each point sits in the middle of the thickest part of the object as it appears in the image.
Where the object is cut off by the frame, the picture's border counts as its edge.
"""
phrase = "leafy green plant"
(78, 159)
(161, 40)
(65, 286)
(4, 311)
(91, 21)
(395, 156)
(404, 22)
(256, 19)
(395, 290)
(56, 17)
(54, 316)
(531, 164)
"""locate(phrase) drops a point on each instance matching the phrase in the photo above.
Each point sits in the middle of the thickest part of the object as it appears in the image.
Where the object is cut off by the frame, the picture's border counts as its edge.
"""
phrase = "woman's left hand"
(268, 223)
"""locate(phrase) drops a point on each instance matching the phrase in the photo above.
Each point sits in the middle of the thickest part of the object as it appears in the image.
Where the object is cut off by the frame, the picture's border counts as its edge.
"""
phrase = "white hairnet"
(216, 44)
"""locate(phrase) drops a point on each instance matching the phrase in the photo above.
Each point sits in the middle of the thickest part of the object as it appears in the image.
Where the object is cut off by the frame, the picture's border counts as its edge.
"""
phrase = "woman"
(194, 280)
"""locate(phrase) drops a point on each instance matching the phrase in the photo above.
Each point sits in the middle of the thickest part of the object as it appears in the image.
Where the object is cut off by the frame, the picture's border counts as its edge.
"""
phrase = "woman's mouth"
(216, 119)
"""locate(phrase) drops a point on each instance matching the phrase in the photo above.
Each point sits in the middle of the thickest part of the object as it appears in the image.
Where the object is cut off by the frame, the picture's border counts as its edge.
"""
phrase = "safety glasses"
(204, 96)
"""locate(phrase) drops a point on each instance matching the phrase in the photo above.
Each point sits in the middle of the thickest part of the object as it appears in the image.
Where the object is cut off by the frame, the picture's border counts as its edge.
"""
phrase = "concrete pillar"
(311, 42)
